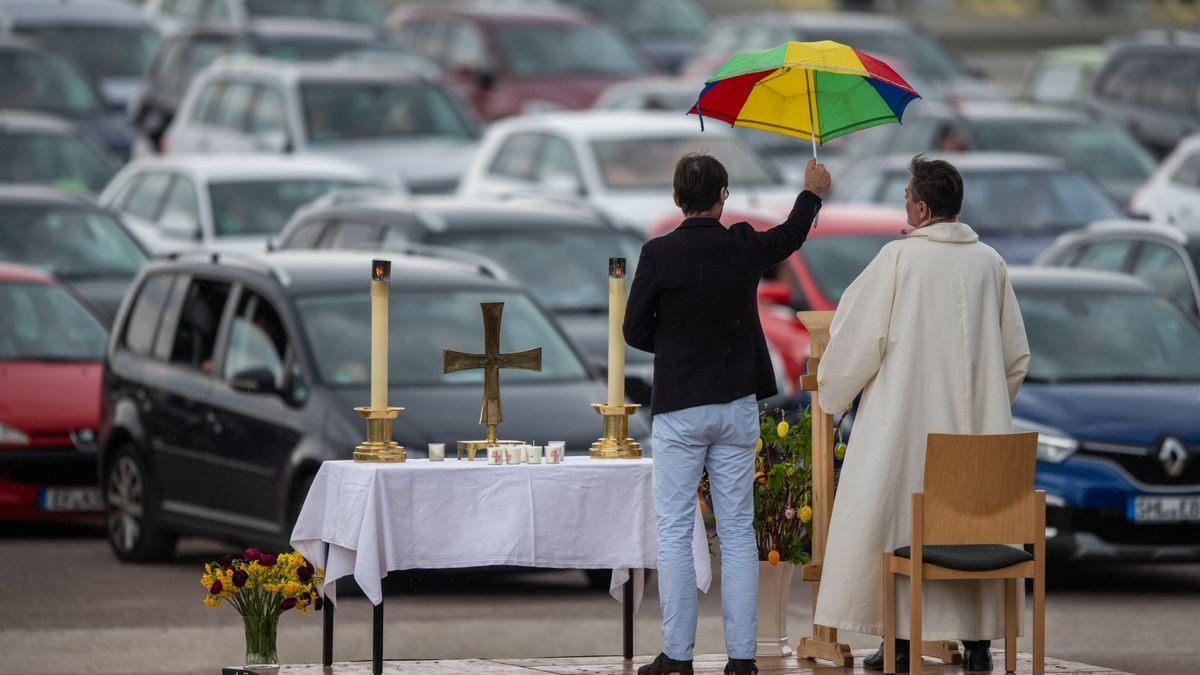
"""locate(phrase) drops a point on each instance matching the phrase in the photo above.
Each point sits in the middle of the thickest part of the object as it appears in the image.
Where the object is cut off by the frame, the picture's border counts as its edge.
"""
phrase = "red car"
(51, 347)
(511, 60)
(839, 247)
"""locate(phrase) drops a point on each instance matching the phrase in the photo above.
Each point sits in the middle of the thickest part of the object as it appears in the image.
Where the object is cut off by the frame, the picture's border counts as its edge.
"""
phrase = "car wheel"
(129, 515)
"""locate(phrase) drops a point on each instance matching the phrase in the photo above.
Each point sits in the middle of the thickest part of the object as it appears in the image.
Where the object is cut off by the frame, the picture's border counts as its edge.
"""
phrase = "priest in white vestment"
(931, 335)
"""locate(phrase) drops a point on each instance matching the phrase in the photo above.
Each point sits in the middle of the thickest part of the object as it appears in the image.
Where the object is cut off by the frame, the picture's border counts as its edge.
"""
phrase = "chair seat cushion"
(970, 557)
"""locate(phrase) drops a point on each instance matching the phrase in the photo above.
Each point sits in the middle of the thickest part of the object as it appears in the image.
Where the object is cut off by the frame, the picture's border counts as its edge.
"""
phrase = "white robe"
(931, 334)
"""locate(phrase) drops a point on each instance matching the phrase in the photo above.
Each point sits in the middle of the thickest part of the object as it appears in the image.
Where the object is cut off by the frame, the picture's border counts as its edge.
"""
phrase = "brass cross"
(491, 361)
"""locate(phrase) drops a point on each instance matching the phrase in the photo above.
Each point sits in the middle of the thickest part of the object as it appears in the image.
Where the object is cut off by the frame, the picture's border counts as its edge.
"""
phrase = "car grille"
(1116, 530)
(1146, 467)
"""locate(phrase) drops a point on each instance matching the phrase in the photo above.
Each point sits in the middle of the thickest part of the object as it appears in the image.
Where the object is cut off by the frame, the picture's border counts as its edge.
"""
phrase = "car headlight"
(12, 436)
(1053, 445)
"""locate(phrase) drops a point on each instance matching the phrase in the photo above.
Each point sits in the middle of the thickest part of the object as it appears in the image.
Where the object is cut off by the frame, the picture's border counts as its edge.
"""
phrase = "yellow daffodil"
(805, 514)
(782, 429)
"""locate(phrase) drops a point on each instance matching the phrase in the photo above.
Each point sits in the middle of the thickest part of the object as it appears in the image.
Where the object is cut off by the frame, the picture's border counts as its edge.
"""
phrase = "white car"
(409, 130)
(171, 15)
(221, 202)
(1172, 194)
(620, 162)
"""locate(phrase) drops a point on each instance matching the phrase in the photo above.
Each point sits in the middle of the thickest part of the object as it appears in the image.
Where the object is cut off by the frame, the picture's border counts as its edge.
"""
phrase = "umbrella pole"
(817, 215)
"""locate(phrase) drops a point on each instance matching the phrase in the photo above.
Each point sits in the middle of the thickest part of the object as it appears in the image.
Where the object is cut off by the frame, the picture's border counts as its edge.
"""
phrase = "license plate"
(71, 499)
(1181, 509)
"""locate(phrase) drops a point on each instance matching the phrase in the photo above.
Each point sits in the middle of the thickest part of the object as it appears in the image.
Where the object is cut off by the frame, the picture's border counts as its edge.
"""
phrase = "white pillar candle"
(616, 339)
(381, 273)
(437, 452)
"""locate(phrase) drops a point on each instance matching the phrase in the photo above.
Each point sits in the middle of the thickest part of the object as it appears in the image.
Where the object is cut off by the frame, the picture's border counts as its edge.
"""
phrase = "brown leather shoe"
(665, 665)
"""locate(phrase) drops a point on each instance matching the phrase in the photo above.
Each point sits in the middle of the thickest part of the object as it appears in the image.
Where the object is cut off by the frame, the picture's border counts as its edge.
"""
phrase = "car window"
(164, 70)
(1102, 150)
(305, 235)
(101, 50)
(427, 36)
(147, 311)
(1124, 83)
(235, 106)
(263, 207)
(196, 336)
(1172, 83)
(366, 12)
(1188, 172)
(204, 111)
(557, 167)
(1167, 271)
(46, 82)
(146, 198)
(639, 162)
(554, 50)
(257, 339)
(216, 10)
(184, 9)
(352, 235)
(71, 243)
(53, 325)
(465, 47)
(182, 203)
(199, 54)
(1056, 82)
(268, 114)
(1109, 256)
(65, 161)
(518, 156)
(346, 110)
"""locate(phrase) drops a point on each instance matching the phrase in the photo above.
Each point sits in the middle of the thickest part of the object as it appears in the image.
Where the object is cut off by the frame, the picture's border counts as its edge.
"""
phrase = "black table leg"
(628, 610)
(377, 639)
(327, 626)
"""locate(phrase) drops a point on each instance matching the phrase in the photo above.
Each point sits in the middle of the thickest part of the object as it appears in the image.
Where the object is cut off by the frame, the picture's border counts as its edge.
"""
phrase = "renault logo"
(1174, 457)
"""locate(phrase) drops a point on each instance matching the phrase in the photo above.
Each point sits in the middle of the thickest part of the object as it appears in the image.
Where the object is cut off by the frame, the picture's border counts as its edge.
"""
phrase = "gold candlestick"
(616, 443)
(379, 446)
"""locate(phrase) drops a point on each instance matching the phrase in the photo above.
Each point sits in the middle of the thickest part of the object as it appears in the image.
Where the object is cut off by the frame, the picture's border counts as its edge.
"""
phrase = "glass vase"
(260, 641)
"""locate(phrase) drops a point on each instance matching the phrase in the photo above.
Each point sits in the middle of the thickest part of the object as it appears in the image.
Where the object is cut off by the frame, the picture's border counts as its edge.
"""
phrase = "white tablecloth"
(582, 513)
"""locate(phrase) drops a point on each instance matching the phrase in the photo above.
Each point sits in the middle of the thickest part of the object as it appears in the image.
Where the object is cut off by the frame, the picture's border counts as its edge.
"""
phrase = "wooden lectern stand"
(824, 645)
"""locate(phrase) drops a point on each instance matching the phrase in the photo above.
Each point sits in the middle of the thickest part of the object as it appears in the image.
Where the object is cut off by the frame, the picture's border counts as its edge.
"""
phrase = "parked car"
(49, 398)
(1113, 391)
(68, 236)
(1166, 257)
(42, 81)
(406, 128)
(666, 32)
(1102, 150)
(174, 15)
(230, 379)
(110, 40)
(843, 241)
(508, 59)
(1172, 193)
(1061, 76)
(221, 202)
(45, 150)
(1016, 203)
(892, 39)
(619, 162)
(189, 50)
(1150, 84)
(559, 251)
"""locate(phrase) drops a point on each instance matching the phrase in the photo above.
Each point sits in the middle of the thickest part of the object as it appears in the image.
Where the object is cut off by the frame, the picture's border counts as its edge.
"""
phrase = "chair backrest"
(979, 489)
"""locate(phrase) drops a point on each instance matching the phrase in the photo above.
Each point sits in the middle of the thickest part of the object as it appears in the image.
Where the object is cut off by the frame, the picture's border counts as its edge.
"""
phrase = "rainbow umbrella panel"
(813, 90)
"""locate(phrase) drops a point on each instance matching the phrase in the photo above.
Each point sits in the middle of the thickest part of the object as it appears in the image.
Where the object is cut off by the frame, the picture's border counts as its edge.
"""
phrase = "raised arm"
(779, 242)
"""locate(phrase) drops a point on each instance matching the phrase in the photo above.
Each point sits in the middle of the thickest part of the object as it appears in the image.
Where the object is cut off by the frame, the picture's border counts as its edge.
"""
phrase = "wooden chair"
(978, 497)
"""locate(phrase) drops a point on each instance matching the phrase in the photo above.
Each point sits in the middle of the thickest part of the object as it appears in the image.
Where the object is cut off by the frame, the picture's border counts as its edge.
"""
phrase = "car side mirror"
(254, 381)
(179, 226)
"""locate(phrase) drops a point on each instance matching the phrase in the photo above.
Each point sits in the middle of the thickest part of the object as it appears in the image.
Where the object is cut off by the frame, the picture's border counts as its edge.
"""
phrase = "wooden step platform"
(615, 665)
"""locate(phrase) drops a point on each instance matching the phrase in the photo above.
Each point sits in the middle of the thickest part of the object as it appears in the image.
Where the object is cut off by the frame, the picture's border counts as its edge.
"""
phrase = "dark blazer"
(694, 304)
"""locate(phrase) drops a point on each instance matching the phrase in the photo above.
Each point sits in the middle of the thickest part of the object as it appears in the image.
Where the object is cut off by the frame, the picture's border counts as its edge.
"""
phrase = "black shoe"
(875, 661)
(665, 665)
(977, 656)
(741, 667)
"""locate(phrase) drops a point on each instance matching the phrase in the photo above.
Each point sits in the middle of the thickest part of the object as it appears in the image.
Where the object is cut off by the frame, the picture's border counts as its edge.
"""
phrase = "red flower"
(267, 560)
(304, 573)
(319, 603)
(252, 554)
(227, 562)
(288, 603)
(215, 588)
(240, 577)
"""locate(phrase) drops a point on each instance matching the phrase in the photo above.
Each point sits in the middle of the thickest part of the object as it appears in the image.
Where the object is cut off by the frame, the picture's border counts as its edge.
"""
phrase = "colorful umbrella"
(814, 90)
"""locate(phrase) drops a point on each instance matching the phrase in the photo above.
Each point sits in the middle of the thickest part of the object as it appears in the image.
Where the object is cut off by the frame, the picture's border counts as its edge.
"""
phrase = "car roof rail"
(245, 260)
(482, 264)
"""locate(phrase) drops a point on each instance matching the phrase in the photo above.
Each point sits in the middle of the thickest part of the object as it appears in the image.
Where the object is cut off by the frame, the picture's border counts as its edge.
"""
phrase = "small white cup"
(555, 451)
(533, 454)
(514, 454)
(495, 455)
(437, 452)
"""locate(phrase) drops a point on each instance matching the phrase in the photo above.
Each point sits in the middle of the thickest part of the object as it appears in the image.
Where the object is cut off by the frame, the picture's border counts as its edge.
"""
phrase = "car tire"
(130, 512)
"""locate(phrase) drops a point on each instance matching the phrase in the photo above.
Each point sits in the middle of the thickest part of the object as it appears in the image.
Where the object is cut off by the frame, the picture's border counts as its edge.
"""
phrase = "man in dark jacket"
(694, 305)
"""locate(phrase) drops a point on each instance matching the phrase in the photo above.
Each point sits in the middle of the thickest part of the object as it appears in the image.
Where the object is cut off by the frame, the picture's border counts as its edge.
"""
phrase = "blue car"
(1114, 391)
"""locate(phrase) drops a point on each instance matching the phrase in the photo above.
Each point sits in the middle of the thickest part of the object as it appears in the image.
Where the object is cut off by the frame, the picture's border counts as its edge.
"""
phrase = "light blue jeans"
(721, 438)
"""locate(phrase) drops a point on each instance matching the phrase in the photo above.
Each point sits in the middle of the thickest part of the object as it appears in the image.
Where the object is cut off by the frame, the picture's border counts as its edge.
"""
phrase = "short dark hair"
(937, 183)
(698, 182)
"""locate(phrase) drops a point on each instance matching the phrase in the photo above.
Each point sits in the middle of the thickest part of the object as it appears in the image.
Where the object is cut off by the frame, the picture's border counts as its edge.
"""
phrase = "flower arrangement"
(261, 587)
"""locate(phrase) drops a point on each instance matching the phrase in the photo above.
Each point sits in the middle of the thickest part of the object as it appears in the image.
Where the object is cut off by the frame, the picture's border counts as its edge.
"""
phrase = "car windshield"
(355, 111)
(835, 262)
(422, 324)
(559, 267)
(1017, 201)
(63, 161)
(262, 207)
(309, 48)
(1087, 335)
(68, 243)
(47, 82)
(648, 163)
(1099, 149)
(673, 18)
(352, 11)
(102, 51)
(915, 51)
(53, 326)
(553, 50)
